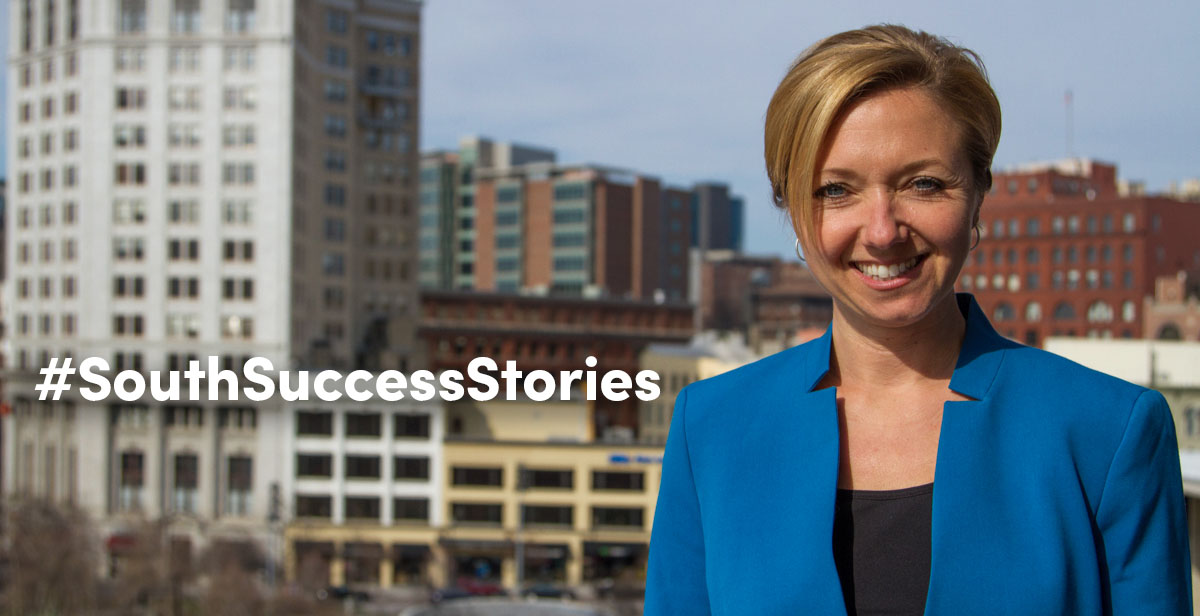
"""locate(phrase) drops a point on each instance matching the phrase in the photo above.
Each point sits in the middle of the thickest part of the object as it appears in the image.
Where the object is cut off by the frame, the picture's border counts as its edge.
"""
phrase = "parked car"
(340, 593)
(547, 591)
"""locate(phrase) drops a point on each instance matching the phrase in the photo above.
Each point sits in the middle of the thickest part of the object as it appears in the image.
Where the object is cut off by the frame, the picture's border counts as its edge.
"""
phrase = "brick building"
(550, 333)
(1173, 313)
(507, 218)
(1065, 253)
(766, 298)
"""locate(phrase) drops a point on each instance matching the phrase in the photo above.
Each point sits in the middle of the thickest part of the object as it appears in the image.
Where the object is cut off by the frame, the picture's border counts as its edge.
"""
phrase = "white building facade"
(195, 179)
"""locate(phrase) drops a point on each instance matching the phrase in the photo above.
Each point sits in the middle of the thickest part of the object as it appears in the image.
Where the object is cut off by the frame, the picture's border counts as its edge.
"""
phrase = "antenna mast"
(1069, 102)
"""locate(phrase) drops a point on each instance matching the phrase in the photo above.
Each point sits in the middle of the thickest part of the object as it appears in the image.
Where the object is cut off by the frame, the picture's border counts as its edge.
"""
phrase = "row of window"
(180, 98)
(48, 107)
(46, 254)
(49, 22)
(417, 509)
(70, 143)
(362, 508)
(362, 466)
(47, 179)
(1058, 255)
(1097, 312)
(178, 249)
(185, 483)
(186, 16)
(132, 211)
(187, 326)
(1069, 280)
(1060, 225)
(629, 481)
(362, 425)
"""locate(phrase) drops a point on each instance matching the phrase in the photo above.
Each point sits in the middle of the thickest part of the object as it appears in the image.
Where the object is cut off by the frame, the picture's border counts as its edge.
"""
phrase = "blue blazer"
(1057, 491)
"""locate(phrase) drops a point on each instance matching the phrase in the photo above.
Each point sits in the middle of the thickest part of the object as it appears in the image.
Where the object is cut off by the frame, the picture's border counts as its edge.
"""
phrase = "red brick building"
(768, 299)
(1064, 253)
(550, 333)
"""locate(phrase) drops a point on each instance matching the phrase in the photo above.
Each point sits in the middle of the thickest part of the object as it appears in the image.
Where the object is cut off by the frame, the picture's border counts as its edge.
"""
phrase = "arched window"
(1004, 312)
(1169, 331)
(1033, 312)
(1100, 312)
(1128, 311)
(1063, 311)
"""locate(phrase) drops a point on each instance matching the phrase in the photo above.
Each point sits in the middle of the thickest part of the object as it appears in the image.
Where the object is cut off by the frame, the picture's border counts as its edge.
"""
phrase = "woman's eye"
(830, 191)
(927, 185)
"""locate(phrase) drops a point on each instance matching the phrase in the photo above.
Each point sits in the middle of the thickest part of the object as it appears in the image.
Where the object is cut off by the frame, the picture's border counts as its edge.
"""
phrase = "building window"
(129, 59)
(337, 56)
(477, 476)
(410, 467)
(238, 212)
(237, 327)
(618, 480)
(548, 478)
(240, 16)
(547, 515)
(186, 482)
(129, 136)
(411, 426)
(130, 491)
(128, 325)
(410, 509)
(313, 506)
(186, 17)
(476, 513)
(131, 17)
(238, 487)
(314, 465)
(363, 425)
(314, 423)
(335, 91)
(619, 517)
(183, 250)
(1033, 312)
(1129, 223)
(362, 467)
(362, 508)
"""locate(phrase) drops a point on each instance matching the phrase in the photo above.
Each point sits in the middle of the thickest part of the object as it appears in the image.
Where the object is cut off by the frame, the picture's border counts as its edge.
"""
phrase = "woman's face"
(894, 207)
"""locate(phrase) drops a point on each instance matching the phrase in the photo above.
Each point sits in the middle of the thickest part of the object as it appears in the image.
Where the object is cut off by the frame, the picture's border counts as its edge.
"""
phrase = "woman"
(911, 460)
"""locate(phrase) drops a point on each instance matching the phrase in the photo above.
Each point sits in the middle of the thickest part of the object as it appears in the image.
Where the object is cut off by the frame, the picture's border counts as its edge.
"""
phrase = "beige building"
(519, 482)
(677, 367)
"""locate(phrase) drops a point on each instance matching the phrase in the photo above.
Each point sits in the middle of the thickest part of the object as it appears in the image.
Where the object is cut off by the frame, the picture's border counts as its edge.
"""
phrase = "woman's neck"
(869, 355)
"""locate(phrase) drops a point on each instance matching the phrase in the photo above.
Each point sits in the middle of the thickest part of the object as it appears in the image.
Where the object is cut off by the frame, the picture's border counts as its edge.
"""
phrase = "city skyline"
(678, 90)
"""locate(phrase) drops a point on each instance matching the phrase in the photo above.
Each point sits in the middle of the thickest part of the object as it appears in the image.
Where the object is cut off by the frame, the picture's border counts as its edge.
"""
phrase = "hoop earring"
(800, 255)
(977, 237)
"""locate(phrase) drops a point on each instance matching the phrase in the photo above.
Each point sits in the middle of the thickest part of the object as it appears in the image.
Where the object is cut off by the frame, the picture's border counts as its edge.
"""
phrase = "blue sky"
(677, 89)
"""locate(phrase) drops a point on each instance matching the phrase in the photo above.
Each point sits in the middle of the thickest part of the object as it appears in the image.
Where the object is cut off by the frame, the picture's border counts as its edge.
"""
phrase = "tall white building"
(193, 178)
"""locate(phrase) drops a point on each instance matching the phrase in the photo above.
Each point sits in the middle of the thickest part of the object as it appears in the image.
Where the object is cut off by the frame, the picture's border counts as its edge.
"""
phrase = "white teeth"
(885, 272)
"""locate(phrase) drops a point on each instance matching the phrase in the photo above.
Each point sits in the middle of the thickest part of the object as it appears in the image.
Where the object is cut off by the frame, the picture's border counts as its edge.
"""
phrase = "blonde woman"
(911, 460)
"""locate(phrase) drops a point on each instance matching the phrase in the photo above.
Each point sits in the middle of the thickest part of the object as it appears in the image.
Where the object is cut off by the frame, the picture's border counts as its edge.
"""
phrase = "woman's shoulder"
(1038, 372)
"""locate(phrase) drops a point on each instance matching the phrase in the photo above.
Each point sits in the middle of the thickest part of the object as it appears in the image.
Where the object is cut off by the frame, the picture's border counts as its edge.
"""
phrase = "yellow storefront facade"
(512, 513)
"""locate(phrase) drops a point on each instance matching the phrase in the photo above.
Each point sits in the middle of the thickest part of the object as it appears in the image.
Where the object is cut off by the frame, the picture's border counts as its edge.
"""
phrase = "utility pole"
(522, 484)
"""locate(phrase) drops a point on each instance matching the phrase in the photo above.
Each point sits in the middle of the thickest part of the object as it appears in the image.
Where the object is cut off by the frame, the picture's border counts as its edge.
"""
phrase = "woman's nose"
(882, 227)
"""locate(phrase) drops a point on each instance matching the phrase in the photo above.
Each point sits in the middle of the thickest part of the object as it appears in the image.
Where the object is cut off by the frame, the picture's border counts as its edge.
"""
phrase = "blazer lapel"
(962, 563)
(782, 479)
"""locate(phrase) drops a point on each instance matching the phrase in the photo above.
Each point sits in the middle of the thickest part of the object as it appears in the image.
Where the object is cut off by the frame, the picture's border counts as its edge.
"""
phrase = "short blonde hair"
(845, 67)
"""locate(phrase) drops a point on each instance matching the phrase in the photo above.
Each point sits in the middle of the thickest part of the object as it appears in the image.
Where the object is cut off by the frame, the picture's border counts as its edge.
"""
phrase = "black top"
(881, 544)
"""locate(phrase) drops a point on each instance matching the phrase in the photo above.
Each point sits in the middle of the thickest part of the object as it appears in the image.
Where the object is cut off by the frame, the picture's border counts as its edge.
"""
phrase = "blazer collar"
(978, 360)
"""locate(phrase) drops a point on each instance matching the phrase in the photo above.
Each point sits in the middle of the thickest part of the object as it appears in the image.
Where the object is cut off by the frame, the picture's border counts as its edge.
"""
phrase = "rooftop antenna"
(1069, 103)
